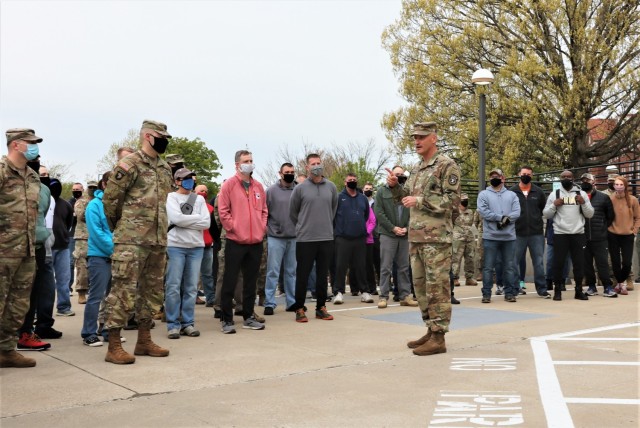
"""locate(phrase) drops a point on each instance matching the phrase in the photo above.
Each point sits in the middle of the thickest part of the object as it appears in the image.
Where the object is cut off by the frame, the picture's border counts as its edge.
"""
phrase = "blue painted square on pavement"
(462, 317)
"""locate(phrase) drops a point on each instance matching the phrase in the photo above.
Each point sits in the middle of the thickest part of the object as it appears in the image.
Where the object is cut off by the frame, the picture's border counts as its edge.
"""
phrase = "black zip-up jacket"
(530, 221)
(595, 228)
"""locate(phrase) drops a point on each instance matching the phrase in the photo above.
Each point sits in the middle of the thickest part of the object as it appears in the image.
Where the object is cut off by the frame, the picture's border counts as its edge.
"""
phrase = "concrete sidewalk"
(353, 371)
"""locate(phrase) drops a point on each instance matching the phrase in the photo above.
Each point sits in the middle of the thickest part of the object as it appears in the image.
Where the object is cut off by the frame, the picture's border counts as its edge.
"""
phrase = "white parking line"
(595, 363)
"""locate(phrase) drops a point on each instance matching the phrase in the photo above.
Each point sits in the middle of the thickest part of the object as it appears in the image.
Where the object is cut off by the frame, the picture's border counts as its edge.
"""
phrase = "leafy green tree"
(557, 64)
(197, 157)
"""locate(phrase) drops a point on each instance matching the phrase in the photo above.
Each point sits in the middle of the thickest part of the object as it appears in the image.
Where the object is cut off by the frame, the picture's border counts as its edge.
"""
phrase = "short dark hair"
(526, 167)
(241, 153)
(312, 155)
(289, 164)
(103, 180)
(352, 174)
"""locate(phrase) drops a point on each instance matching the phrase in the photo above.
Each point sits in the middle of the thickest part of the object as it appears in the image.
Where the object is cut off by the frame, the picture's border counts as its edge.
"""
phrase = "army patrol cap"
(587, 176)
(173, 159)
(92, 183)
(496, 171)
(424, 128)
(183, 173)
(159, 127)
(464, 197)
(24, 134)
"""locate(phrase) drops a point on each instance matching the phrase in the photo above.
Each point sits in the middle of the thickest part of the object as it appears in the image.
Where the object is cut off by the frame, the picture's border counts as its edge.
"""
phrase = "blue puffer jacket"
(100, 236)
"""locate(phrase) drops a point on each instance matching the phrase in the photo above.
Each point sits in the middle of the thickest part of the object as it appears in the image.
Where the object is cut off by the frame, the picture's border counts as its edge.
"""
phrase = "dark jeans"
(245, 258)
(620, 245)
(564, 245)
(307, 253)
(350, 254)
(493, 251)
(596, 251)
(43, 295)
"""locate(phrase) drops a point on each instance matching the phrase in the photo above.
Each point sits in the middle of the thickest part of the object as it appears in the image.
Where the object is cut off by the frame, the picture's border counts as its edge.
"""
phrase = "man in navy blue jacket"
(350, 229)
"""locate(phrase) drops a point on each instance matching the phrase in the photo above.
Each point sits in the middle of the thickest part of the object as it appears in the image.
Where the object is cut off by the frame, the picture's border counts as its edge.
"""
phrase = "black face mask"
(526, 179)
(368, 193)
(610, 186)
(34, 166)
(464, 203)
(495, 182)
(45, 180)
(402, 179)
(77, 194)
(288, 178)
(587, 187)
(352, 184)
(567, 184)
(160, 144)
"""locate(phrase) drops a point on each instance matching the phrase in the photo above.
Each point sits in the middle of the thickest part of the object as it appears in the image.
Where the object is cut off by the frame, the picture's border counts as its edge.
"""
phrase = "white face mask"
(619, 188)
(246, 168)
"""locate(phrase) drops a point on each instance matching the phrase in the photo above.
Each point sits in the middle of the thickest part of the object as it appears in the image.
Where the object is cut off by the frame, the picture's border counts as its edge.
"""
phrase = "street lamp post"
(482, 77)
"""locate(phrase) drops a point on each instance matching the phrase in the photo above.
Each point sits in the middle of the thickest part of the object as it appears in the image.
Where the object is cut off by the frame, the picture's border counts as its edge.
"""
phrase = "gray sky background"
(236, 74)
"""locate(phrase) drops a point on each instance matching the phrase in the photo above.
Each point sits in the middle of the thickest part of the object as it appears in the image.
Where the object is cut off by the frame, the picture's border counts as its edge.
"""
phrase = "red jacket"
(208, 239)
(243, 213)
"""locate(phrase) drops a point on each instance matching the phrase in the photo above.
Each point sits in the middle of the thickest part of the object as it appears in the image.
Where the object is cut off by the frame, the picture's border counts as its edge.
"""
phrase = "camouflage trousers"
(16, 281)
(430, 264)
(137, 283)
(81, 282)
(466, 249)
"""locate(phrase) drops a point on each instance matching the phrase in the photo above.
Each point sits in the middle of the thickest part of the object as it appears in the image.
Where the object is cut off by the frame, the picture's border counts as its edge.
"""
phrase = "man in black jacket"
(595, 229)
(529, 227)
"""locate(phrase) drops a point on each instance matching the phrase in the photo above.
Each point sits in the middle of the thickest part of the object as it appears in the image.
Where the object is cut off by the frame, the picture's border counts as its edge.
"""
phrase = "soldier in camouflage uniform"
(464, 242)
(135, 207)
(433, 193)
(19, 194)
(81, 236)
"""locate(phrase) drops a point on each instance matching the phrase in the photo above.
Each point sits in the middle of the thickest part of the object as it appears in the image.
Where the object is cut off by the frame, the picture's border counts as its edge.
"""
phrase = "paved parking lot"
(533, 363)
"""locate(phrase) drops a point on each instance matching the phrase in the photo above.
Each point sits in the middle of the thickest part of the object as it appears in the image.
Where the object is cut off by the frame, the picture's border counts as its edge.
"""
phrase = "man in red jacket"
(243, 213)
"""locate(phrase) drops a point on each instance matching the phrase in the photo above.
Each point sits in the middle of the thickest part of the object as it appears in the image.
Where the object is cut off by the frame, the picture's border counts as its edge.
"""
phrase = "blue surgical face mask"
(32, 152)
(188, 184)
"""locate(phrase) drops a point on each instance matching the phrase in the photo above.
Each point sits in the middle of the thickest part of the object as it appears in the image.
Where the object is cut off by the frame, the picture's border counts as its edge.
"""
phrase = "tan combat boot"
(144, 345)
(456, 282)
(14, 359)
(82, 297)
(115, 353)
(435, 345)
(408, 301)
(471, 281)
(419, 342)
(630, 284)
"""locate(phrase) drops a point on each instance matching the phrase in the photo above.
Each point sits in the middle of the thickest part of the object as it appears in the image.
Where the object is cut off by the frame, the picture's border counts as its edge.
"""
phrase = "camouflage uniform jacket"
(436, 186)
(81, 225)
(135, 200)
(19, 196)
(463, 223)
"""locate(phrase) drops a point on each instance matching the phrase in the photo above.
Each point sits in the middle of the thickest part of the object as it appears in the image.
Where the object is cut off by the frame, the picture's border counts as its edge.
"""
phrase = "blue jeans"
(183, 268)
(279, 251)
(535, 243)
(99, 269)
(492, 250)
(206, 272)
(61, 261)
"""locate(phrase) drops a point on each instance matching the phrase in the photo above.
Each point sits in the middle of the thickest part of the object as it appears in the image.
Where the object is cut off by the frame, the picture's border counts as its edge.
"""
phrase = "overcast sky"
(236, 74)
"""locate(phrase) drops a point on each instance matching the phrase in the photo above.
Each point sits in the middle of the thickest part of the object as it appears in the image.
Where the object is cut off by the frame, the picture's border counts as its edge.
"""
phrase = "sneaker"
(499, 290)
(174, 333)
(31, 342)
(92, 341)
(608, 292)
(252, 324)
(545, 295)
(522, 291)
(268, 310)
(200, 301)
(510, 298)
(67, 313)
(301, 316)
(623, 289)
(189, 331)
(486, 299)
(366, 298)
(323, 314)
(454, 301)
(338, 299)
(48, 333)
(382, 303)
(228, 328)
(592, 291)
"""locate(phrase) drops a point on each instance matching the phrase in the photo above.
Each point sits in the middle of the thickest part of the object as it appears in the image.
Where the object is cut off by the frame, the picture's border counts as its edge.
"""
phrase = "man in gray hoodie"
(568, 207)
(499, 209)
